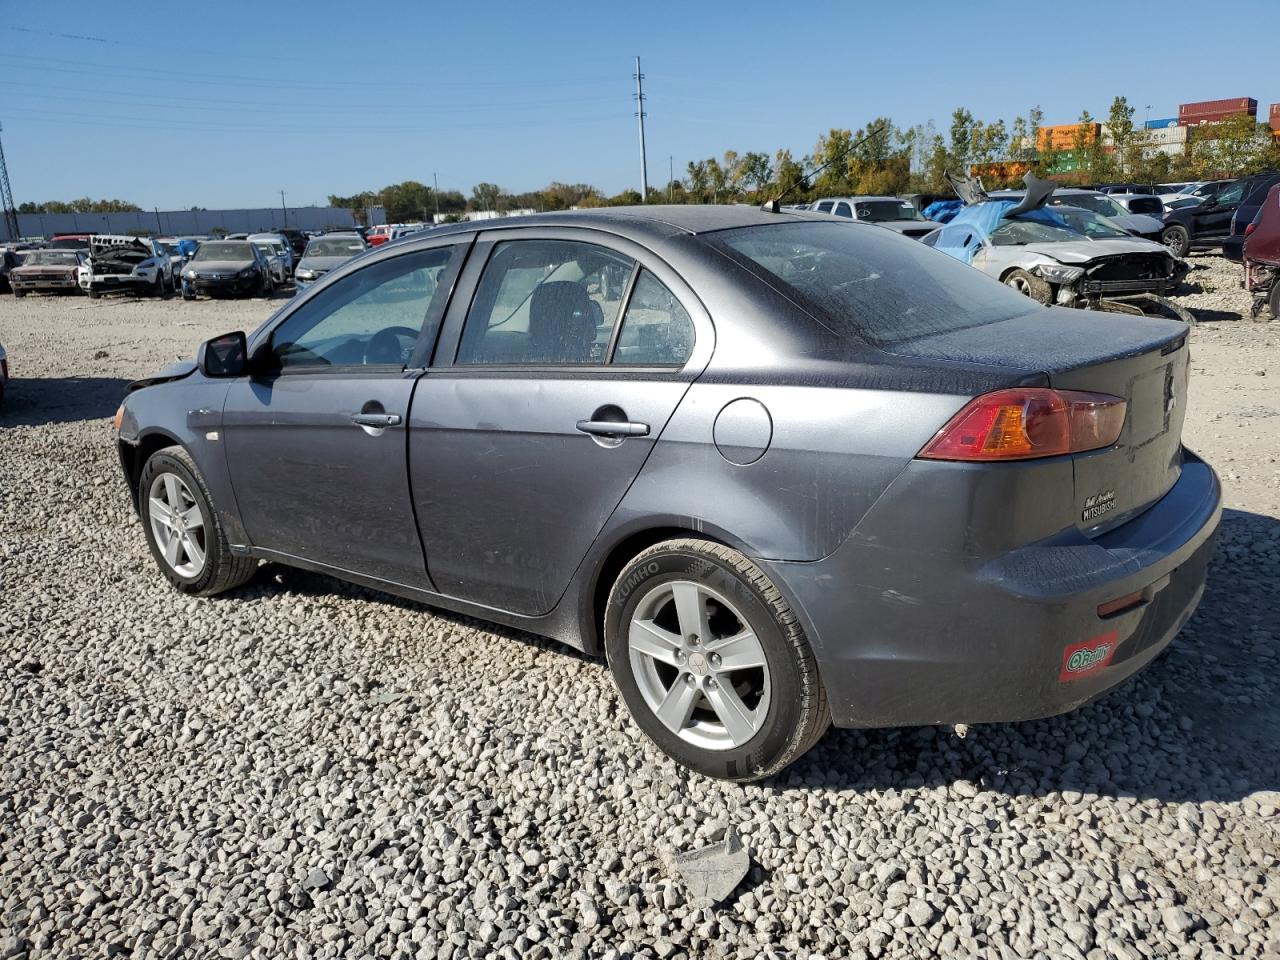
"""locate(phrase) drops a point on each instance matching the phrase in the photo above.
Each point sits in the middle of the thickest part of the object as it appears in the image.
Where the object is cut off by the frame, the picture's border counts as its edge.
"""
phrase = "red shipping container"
(1235, 105)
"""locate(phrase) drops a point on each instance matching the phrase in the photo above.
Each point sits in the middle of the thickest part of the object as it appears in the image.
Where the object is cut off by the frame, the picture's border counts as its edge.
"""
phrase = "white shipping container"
(1168, 135)
(1172, 149)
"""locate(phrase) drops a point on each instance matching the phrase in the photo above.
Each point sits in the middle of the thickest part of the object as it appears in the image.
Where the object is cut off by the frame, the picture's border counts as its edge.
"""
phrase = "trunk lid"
(1144, 361)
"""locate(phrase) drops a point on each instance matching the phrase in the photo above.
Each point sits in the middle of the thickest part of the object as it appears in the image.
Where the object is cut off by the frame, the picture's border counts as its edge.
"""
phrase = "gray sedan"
(788, 472)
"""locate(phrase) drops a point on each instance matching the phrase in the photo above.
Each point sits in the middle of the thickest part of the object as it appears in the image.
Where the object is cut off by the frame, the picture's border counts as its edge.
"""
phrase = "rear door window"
(656, 330)
(545, 302)
(842, 210)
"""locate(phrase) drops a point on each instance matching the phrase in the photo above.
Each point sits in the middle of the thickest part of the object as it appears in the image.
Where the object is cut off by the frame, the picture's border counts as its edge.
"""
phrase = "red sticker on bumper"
(1088, 656)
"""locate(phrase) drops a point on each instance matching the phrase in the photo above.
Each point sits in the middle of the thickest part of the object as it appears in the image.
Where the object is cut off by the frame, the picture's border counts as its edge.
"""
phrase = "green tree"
(1124, 138)
(757, 171)
(961, 138)
(487, 196)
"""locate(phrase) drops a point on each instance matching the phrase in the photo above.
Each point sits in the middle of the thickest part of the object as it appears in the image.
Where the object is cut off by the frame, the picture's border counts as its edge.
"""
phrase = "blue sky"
(226, 104)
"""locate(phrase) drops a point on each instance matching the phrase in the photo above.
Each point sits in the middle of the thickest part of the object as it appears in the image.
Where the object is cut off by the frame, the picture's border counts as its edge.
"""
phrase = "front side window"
(373, 316)
(842, 210)
(656, 330)
(545, 302)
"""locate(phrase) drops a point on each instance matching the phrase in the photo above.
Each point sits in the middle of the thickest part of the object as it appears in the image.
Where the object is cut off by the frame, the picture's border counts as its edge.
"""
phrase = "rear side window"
(824, 206)
(656, 330)
(1146, 205)
(842, 210)
(545, 302)
(871, 284)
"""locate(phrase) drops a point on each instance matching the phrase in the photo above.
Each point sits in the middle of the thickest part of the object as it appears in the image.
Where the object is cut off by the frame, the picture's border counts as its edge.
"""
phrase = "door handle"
(613, 428)
(376, 419)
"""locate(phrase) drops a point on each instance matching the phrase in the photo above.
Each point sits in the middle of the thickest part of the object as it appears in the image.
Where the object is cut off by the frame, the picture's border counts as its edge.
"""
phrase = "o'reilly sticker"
(1087, 656)
(1097, 505)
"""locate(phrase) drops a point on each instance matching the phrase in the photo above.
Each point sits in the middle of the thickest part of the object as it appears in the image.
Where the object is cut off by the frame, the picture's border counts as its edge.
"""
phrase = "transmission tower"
(644, 167)
(6, 196)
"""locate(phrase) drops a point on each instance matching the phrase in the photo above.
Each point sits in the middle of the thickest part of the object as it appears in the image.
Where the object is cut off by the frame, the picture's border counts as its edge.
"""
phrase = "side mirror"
(224, 356)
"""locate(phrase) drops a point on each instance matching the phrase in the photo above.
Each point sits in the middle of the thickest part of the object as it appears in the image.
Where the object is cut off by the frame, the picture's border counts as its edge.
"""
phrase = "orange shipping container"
(1063, 136)
(1000, 170)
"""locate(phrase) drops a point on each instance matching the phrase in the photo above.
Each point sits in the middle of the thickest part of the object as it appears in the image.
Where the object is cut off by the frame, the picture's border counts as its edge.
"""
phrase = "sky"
(227, 104)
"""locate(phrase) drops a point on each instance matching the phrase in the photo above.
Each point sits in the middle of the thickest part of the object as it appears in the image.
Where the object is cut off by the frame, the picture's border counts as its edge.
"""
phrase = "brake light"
(1249, 229)
(1028, 422)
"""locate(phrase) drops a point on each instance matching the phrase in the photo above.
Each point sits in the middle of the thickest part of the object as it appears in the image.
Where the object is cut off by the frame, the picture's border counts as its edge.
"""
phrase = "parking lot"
(308, 768)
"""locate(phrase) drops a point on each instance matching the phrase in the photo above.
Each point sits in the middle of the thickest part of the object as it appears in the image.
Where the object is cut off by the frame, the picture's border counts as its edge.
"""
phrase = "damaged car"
(133, 264)
(1261, 256)
(47, 271)
(1062, 255)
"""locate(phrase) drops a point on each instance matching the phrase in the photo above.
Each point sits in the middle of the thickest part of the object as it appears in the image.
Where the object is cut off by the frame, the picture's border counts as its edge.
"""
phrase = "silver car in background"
(279, 255)
(324, 253)
(893, 213)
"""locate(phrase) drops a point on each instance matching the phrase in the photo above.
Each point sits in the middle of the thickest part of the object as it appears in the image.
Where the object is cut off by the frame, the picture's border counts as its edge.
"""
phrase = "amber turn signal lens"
(1120, 604)
(119, 417)
(1028, 422)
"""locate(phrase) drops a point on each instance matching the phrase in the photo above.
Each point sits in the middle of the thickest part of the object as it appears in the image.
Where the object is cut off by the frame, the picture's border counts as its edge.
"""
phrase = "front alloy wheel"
(177, 525)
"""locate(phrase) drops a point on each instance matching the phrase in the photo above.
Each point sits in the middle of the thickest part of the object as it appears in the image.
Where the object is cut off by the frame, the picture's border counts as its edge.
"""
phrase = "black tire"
(19, 294)
(797, 715)
(1031, 285)
(264, 285)
(188, 296)
(222, 569)
(1274, 300)
(1177, 239)
(93, 294)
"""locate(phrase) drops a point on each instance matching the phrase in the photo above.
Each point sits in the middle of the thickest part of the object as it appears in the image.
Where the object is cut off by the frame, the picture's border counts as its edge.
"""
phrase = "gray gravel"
(306, 768)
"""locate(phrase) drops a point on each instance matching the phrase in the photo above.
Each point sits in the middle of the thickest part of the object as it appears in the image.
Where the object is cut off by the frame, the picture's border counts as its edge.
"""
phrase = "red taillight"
(1249, 229)
(1025, 423)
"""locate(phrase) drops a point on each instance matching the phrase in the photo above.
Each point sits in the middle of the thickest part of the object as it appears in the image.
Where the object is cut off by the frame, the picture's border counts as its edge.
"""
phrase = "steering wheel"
(386, 345)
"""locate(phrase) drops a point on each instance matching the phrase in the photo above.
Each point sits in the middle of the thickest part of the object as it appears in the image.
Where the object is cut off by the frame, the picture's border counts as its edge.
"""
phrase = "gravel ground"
(306, 768)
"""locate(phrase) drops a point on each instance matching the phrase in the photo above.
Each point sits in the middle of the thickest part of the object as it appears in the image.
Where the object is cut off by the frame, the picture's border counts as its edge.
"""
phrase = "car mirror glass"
(224, 356)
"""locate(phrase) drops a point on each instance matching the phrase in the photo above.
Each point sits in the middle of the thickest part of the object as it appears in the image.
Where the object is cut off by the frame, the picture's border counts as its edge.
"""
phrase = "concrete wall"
(180, 222)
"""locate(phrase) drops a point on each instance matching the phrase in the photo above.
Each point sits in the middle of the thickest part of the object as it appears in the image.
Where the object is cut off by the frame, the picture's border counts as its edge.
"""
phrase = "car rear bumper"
(906, 637)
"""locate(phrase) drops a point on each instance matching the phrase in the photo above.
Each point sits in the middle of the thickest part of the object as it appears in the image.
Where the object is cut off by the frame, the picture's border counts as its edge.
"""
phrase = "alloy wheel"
(177, 525)
(698, 664)
(1020, 284)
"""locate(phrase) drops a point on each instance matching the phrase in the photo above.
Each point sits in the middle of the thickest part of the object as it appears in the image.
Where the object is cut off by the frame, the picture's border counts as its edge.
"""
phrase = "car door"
(547, 395)
(1213, 217)
(315, 438)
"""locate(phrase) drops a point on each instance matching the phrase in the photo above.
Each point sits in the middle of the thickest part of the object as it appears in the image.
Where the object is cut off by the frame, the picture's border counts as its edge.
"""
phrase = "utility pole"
(644, 170)
(671, 176)
(284, 209)
(435, 192)
(159, 228)
(6, 197)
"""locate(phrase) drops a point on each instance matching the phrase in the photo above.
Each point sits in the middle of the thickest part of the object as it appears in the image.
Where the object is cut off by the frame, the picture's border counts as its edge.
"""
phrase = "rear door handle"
(613, 428)
(376, 419)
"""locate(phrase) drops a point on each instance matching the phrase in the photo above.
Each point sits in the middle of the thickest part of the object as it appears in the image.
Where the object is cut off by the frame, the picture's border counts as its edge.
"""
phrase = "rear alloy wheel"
(712, 662)
(182, 528)
(157, 288)
(1274, 300)
(1029, 285)
(1176, 239)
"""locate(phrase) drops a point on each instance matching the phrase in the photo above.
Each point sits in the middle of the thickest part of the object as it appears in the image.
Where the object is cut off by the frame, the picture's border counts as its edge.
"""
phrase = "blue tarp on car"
(942, 210)
(964, 235)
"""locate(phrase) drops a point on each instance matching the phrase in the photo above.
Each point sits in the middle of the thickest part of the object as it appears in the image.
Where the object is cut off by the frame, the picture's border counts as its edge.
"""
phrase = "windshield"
(267, 247)
(334, 247)
(222, 250)
(69, 243)
(880, 289)
(878, 211)
(1015, 233)
(58, 258)
(1091, 224)
(1097, 202)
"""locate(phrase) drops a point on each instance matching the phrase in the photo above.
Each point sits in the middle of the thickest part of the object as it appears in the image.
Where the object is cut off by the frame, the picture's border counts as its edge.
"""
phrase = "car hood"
(175, 371)
(1082, 251)
(321, 263)
(1139, 222)
(129, 249)
(44, 267)
(219, 266)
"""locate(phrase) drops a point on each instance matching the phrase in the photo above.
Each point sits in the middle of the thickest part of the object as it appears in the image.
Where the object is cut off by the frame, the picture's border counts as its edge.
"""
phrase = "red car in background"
(1262, 255)
(379, 235)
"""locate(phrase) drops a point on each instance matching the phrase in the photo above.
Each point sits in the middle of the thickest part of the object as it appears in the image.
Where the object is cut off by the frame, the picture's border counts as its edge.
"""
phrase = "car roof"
(659, 220)
(854, 198)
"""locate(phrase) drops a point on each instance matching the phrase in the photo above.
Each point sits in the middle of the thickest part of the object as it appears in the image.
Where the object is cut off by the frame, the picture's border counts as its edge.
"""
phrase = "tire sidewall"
(165, 461)
(781, 729)
(1179, 230)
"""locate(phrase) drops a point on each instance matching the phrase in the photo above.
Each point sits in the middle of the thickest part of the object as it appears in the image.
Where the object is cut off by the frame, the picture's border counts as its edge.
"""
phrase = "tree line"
(882, 158)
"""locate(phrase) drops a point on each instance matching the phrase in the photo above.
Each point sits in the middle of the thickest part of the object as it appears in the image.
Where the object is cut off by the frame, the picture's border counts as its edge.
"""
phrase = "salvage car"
(894, 213)
(1261, 256)
(8, 260)
(793, 472)
(1208, 223)
(1140, 225)
(279, 256)
(227, 268)
(4, 373)
(1059, 255)
(124, 263)
(47, 271)
(325, 253)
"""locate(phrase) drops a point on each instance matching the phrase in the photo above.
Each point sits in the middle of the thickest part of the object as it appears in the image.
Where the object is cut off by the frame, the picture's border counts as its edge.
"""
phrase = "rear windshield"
(872, 284)
(878, 211)
(335, 247)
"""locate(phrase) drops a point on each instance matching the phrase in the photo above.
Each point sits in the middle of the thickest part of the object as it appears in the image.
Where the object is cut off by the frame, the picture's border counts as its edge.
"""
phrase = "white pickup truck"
(133, 264)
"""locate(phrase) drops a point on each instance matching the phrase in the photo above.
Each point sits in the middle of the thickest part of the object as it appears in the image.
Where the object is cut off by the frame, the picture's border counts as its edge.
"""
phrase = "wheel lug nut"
(688, 679)
(715, 659)
(711, 683)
